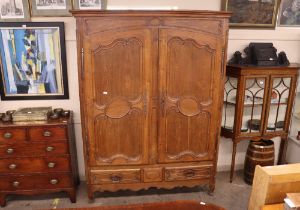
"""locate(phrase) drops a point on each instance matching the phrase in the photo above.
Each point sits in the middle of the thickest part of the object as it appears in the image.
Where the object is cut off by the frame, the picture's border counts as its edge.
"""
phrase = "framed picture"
(14, 10)
(90, 4)
(289, 13)
(47, 8)
(252, 13)
(33, 61)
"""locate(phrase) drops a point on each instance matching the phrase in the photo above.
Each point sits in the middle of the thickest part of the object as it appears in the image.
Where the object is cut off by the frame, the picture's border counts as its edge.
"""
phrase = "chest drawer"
(31, 150)
(47, 133)
(186, 173)
(35, 165)
(12, 135)
(35, 182)
(115, 176)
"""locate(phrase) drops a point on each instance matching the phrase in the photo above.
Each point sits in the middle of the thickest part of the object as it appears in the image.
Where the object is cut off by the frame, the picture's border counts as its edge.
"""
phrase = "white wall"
(287, 39)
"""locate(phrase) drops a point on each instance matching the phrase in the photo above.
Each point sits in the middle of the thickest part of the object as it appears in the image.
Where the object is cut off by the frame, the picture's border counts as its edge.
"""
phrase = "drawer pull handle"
(10, 151)
(12, 166)
(189, 173)
(47, 134)
(116, 179)
(53, 181)
(16, 183)
(7, 135)
(49, 149)
(51, 165)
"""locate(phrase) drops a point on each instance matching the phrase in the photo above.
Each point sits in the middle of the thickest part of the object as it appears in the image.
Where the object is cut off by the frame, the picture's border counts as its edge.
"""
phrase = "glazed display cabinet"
(257, 105)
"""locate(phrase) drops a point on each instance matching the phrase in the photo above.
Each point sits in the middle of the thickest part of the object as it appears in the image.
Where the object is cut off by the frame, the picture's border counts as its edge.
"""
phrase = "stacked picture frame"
(22, 10)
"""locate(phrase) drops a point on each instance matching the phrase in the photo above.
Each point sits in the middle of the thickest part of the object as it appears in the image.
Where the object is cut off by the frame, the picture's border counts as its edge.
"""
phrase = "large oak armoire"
(151, 91)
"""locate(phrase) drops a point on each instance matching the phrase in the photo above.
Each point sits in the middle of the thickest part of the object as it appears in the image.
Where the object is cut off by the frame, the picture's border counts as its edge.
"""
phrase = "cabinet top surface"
(49, 122)
(253, 67)
(162, 13)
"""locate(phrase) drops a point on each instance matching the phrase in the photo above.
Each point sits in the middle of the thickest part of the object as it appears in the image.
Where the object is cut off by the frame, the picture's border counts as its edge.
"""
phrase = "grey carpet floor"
(231, 196)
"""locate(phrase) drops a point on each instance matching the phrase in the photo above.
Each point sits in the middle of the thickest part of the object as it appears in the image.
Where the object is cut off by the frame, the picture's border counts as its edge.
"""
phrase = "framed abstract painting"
(33, 61)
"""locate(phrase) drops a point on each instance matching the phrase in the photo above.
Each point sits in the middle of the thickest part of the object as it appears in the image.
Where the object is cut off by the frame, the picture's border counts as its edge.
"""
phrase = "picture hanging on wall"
(289, 13)
(46, 8)
(252, 13)
(14, 10)
(90, 4)
(33, 61)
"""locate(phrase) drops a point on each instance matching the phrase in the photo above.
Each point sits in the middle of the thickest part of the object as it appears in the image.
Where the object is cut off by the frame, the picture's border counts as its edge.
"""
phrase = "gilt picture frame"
(257, 14)
(33, 61)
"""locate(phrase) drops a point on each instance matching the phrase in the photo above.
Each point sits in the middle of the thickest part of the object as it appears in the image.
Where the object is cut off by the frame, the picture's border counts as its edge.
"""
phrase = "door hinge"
(82, 63)
(222, 63)
(87, 147)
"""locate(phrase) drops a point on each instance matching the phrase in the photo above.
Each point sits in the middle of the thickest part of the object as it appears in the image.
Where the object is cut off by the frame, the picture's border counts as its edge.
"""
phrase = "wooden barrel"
(258, 153)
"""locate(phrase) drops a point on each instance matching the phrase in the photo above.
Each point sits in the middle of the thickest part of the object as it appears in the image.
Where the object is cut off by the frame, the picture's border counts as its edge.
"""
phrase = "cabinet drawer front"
(34, 182)
(12, 135)
(115, 176)
(185, 173)
(35, 165)
(30, 150)
(48, 133)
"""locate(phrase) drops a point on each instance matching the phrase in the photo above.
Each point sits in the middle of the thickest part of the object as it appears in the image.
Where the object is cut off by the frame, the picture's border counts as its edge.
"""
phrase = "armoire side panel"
(118, 96)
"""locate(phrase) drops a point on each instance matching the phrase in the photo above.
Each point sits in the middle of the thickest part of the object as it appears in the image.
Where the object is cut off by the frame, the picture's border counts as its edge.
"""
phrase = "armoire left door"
(118, 67)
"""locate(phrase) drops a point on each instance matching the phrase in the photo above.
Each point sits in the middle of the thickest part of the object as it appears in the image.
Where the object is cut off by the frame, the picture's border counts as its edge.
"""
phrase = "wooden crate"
(271, 184)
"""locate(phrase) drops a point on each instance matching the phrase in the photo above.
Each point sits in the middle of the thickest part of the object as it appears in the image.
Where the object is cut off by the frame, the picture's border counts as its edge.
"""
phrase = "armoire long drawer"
(35, 182)
(33, 149)
(115, 176)
(35, 165)
(187, 172)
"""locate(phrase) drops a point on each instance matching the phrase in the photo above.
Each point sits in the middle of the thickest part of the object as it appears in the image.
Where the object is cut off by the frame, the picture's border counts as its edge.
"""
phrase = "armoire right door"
(190, 79)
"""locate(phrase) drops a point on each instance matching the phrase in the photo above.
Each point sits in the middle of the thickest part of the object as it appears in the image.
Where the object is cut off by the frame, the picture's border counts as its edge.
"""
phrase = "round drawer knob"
(53, 181)
(51, 165)
(12, 166)
(7, 135)
(49, 149)
(16, 184)
(10, 151)
(47, 134)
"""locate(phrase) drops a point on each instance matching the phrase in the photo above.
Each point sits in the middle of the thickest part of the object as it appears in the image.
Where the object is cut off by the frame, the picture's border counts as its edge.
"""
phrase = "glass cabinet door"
(278, 103)
(230, 93)
(253, 105)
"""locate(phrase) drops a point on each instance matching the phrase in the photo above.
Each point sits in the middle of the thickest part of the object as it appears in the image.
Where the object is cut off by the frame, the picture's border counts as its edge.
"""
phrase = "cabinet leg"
(282, 151)
(72, 196)
(211, 189)
(233, 160)
(2, 200)
(91, 195)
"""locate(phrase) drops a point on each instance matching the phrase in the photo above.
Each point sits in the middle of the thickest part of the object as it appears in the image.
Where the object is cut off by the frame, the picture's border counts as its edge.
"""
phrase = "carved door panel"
(117, 88)
(189, 85)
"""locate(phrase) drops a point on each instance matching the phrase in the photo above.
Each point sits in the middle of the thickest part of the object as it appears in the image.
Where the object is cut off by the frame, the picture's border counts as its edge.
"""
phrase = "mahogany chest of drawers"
(38, 157)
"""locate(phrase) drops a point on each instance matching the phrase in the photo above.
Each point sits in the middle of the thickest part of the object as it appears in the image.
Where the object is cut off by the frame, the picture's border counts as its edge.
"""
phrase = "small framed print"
(289, 13)
(90, 4)
(33, 61)
(48, 8)
(14, 10)
(252, 13)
